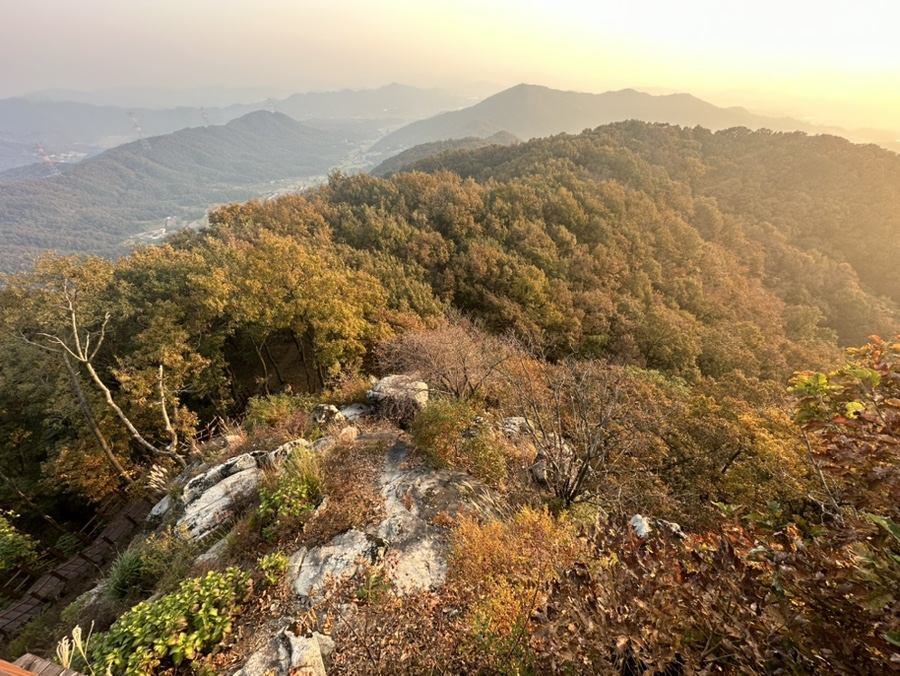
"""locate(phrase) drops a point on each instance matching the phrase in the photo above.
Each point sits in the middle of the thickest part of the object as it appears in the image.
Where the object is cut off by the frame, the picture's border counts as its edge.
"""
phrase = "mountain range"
(96, 205)
(102, 201)
(530, 111)
(67, 126)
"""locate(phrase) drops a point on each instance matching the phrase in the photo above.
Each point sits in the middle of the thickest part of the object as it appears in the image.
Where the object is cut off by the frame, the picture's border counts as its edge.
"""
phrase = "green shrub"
(127, 575)
(159, 562)
(444, 431)
(271, 410)
(273, 566)
(15, 547)
(294, 494)
(184, 625)
(437, 430)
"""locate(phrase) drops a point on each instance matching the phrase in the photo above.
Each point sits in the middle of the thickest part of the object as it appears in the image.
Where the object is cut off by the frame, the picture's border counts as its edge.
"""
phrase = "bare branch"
(173, 435)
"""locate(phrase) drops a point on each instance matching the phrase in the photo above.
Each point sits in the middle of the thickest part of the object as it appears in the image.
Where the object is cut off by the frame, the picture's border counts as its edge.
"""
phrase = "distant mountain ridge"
(99, 203)
(66, 125)
(530, 111)
(402, 160)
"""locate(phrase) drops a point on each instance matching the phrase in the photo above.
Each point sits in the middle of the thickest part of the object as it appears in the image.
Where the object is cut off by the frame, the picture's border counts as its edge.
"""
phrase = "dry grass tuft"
(350, 472)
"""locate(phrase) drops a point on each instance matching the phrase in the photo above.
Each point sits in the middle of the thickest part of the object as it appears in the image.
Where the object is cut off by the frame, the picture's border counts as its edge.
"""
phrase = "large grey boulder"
(287, 654)
(310, 570)
(398, 396)
(218, 504)
(211, 498)
(355, 412)
(203, 482)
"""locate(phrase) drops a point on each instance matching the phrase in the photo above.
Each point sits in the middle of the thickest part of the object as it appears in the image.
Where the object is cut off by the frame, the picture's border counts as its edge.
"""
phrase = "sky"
(827, 61)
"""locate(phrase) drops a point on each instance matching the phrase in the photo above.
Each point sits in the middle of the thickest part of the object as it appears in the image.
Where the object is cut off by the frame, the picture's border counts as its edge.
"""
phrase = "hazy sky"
(839, 60)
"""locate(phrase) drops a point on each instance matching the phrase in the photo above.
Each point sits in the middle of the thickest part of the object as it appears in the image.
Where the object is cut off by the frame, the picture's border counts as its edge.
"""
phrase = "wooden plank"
(38, 666)
(7, 669)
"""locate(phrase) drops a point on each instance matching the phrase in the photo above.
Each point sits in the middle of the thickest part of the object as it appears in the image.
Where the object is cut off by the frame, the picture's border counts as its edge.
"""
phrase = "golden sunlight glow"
(766, 53)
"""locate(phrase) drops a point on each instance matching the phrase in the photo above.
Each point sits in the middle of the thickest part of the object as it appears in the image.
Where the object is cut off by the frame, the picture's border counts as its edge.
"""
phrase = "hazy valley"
(179, 169)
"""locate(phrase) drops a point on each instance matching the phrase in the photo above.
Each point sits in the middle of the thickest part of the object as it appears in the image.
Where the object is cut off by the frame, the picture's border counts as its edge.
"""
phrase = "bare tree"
(457, 359)
(588, 422)
(82, 347)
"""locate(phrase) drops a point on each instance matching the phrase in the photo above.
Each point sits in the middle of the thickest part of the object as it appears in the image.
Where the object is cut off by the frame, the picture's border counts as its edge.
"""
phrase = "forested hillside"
(641, 296)
(97, 205)
(814, 217)
(402, 160)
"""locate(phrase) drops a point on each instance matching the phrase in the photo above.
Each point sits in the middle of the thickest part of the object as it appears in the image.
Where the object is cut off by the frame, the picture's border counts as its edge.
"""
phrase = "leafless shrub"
(593, 425)
(456, 360)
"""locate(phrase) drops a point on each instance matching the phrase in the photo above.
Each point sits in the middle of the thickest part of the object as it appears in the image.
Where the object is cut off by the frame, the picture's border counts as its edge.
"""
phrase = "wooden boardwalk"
(84, 565)
(32, 665)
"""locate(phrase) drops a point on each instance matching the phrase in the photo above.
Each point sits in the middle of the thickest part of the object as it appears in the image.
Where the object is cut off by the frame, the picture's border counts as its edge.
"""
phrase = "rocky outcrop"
(203, 482)
(411, 545)
(412, 541)
(417, 504)
(218, 503)
(211, 498)
(408, 548)
(398, 397)
(310, 570)
(286, 653)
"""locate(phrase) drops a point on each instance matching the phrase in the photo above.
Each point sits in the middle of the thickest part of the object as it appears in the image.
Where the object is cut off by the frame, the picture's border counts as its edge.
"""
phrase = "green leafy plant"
(15, 547)
(273, 566)
(295, 491)
(373, 586)
(161, 558)
(155, 636)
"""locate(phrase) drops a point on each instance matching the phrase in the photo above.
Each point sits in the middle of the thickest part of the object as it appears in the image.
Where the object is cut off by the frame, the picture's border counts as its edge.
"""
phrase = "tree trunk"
(91, 423)
(127, 422)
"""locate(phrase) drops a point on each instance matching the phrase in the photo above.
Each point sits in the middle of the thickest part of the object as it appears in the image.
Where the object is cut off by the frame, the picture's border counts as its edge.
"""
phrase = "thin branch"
(91, 422)
(173, 435)
(818, 469)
